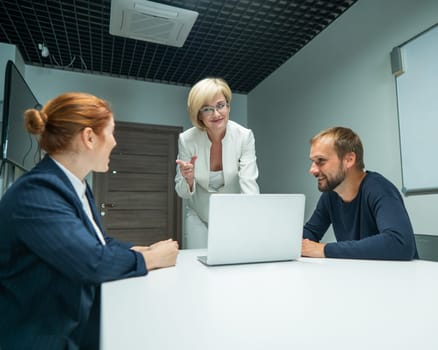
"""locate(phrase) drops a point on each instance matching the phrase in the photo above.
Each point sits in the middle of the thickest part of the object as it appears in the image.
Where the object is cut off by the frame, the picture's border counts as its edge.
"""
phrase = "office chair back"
(427, 246)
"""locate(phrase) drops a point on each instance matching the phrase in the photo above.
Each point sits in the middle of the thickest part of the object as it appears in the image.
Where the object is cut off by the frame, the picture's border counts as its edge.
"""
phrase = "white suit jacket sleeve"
(181, 186)
(248, 171)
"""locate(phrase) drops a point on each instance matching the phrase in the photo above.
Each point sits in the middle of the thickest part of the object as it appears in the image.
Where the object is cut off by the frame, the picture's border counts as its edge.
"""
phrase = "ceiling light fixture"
(44, 50)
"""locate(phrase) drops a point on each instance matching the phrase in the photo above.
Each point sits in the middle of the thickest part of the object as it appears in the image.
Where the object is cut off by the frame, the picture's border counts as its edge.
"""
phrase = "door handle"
(107, 205)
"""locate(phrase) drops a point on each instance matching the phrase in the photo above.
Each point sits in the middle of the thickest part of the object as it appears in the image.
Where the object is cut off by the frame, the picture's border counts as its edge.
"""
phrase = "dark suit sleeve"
(48, 219)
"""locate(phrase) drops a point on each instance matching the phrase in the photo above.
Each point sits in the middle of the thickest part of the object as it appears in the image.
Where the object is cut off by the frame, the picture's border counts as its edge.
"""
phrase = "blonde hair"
(203, 91)
(64, 117)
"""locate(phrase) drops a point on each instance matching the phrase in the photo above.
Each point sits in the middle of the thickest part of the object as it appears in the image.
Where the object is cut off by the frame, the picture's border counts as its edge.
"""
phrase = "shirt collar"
(78, 185)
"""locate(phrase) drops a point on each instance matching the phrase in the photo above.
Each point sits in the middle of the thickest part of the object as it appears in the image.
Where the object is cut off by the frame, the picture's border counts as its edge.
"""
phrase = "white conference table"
(303, 304)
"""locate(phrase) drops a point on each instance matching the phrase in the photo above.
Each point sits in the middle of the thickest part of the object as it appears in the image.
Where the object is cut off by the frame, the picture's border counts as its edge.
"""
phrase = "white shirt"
(216, 180)
(80, 188)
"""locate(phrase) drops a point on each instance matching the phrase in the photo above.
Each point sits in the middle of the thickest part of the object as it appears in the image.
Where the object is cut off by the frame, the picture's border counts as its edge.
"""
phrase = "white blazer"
(238, 162)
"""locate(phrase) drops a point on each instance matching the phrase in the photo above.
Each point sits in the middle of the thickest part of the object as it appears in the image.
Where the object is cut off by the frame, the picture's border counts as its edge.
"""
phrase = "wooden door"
(136, 197)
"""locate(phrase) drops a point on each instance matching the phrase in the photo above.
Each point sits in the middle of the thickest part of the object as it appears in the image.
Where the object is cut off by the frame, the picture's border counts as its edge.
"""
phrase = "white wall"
(343, 77)
(131, 100)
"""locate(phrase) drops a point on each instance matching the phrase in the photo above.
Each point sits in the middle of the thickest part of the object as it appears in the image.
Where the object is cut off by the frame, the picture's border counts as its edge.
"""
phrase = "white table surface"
(304, 304)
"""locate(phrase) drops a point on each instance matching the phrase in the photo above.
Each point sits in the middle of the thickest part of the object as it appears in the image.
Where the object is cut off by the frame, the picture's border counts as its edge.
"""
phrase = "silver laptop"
(246, 228)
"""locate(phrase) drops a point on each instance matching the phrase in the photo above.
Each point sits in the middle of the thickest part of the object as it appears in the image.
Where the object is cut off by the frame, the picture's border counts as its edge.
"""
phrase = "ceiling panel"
(240, 40)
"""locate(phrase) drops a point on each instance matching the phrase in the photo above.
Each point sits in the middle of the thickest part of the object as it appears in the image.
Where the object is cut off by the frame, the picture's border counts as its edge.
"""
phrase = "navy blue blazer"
(52, 263)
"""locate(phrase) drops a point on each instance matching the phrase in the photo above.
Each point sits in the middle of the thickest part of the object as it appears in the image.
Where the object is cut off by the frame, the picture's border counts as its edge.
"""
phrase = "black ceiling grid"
(242, 41)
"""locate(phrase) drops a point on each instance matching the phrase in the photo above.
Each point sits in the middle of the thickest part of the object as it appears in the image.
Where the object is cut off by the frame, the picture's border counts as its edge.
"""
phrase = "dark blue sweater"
(375, 225)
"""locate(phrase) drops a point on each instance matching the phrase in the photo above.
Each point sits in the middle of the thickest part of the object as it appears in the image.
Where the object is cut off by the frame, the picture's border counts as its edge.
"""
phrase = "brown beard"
(331, 184)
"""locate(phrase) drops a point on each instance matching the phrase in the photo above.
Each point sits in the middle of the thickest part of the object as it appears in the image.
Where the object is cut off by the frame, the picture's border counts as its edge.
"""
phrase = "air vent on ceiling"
(150, 21)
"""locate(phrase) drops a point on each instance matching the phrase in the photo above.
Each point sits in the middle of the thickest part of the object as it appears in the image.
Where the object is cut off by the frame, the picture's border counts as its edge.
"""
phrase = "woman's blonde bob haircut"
(203, 91)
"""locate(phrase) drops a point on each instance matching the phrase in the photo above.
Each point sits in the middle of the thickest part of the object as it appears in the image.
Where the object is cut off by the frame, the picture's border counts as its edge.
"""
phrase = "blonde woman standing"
(217, 155)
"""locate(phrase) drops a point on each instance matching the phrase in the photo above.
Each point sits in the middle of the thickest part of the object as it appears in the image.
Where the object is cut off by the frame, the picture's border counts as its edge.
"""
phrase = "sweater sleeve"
(319, 222)
(393, 238)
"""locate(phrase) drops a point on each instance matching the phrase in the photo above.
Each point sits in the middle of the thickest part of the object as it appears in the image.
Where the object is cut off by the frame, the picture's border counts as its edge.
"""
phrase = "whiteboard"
(417, 96)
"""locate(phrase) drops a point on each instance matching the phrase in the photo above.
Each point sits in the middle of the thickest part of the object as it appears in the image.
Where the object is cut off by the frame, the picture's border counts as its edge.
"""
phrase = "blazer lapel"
(94, 210)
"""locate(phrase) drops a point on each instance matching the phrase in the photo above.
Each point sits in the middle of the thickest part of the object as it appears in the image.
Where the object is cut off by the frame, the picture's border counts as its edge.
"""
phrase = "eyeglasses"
(208, 111)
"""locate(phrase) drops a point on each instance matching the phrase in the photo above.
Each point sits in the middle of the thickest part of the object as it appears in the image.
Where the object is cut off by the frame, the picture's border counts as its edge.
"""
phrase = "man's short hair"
(345, 141)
